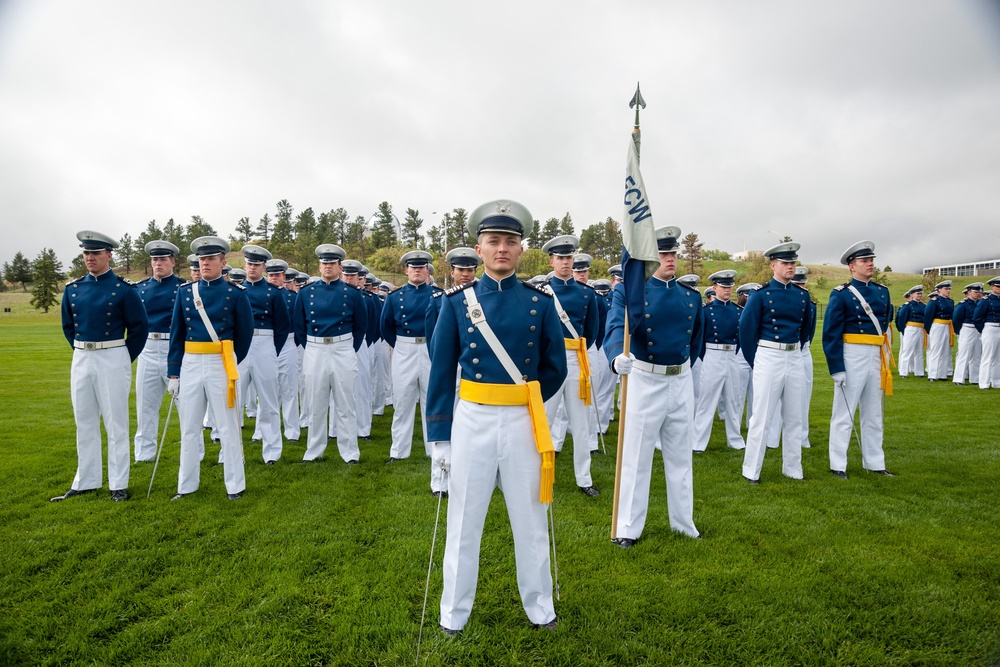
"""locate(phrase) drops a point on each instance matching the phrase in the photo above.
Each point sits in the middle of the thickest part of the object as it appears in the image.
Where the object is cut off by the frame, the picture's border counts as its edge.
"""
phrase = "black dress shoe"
(364, 437)
(178, 496)
(448, 632)
(352, 462)
(752, 481)
(119, 495)
(235, 496)
(884, 473)
(590, 491)
(391, 459)
(839, 474)
(439, 494)
(551, 625)
(269, 463)
(623, 542)
(70, 494)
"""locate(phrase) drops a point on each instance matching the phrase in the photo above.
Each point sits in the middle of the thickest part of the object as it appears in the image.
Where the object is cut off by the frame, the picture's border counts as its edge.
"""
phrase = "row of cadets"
(270, 334)
(970, 348)
(288, 357)
(858, 354)
(330, 320)
(507, 341)
(383, 356)
(940, 332)
(105, 324)
(691, 280)
(353, 273)
(158, 294)
(604, 379)
(987, 321)
(366, 283)
(744, 397)
(667, 336)
(211, 332)
(912, 337)
(719, 368)
(774, 326)
(595, 352)
(292, 285)
(576, 305)
(775, 430)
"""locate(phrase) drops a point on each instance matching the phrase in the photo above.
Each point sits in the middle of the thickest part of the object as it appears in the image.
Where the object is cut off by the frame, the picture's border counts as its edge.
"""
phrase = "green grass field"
(326, 563)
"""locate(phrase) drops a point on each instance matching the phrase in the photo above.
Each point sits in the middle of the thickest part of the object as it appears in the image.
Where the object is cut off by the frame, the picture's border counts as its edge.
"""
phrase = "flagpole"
(636, 102)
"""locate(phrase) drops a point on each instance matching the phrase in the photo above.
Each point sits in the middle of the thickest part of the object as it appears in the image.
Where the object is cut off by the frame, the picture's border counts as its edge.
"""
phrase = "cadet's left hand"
(839, 379)
(441, 454)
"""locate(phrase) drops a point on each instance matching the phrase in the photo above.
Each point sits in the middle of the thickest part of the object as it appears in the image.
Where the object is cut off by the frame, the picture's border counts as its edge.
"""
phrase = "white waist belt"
(720, 346)
(98, 345)
(327, 340)
(656, 368)
(263, 332)
(419, 340)
(156, 335)
(784, 347)
(991, 324)
(968, 325)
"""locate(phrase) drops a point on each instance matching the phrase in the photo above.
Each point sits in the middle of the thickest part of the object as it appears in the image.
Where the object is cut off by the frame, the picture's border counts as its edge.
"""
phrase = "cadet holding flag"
(506, 339)
(210, 333)
(158, 293)
(856, 345)
(105, 323)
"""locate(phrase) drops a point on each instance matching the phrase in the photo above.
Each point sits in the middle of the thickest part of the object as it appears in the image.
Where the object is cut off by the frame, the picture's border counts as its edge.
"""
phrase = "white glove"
(441, 454)
(839, 379)
(622, 364)
(174, 387)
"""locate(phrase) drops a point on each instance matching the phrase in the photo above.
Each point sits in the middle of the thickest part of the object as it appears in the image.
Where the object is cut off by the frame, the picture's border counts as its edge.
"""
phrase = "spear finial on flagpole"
(636, 102)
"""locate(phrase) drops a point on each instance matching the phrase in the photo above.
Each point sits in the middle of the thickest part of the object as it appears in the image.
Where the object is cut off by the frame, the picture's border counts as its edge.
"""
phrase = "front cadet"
(105, 323)
(774, 326)
(288, 362)
(856, 344)
(270, 335)
(507, 340)
(660, 404)
(987, 321)
(910, 325)
(720, 374)
(577, 307)
(940, 335)
(210, 334)
(158, 293)
(970, 348)
(404, 329)
(330, 319)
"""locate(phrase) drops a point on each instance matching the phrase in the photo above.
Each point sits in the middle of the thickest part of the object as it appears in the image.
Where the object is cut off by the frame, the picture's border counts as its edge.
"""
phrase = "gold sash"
(885, 352)
(225, 348)
(951, 330)
(580, 345)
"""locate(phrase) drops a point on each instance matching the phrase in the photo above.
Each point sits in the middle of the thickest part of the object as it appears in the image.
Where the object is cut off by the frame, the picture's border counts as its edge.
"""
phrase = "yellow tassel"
(548, 477)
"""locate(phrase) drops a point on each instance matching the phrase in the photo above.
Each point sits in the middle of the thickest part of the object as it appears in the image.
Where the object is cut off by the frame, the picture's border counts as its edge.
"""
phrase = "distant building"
(989, 267)
(745, 255)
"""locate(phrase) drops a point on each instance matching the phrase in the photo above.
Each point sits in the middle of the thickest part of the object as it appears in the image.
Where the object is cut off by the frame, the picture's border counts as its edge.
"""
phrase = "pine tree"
(126, 251)
(264, 229)
(47, 270)
(18, 271)
(411, 229)
(566, 225)
(244, 230)
(384, 224)
(692, 252)
(550, 230)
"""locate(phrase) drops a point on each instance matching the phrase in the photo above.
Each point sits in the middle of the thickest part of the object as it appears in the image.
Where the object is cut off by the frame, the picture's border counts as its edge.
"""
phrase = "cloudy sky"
(829, 122)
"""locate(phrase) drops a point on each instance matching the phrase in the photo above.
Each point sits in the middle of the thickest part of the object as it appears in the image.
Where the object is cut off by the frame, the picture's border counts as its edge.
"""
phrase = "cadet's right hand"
(174, 387)
(622, 364)
(839, 379)
(441, 454)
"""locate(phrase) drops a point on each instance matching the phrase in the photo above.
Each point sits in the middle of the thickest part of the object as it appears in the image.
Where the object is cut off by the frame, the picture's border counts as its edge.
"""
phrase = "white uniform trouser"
(938, 351)
(559, 425)
(288, 388)
(970, 352)
(777, 374)
(203, 383)
(100, 381)
(260, 370)
(863, 365)
(332, 368)
(743, 388)
(249, 398)
(363, 391)
(720, 375)
(378, 379)
(696, 379)
(411, 367)
(911, 352)
(386, 365)
(490, 443)
(605, 381)
(659, 409)
(303, 401)
(150, 387)
(593, 409)
(807, 366)
(576, 413)
(989, 364)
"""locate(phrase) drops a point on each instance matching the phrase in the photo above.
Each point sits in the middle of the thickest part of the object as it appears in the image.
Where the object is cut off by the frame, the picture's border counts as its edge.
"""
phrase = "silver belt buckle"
(789, 347)
(90, 346)
(726, 347)
(155, 335)
(327, 340)
(420, 339)
(672, 370)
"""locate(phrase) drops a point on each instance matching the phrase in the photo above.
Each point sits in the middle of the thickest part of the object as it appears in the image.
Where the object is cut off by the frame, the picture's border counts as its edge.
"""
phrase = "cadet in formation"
(288, 372)
(596, 360)
(666, 334)
(210, 334)
(987, 321)
(507, 341)
(105, 323)
(576, 305)
(605, 380)
(158, 293)
(913, 338)
(970, 349)
(940, 335)
(774, 326)
(858, 354)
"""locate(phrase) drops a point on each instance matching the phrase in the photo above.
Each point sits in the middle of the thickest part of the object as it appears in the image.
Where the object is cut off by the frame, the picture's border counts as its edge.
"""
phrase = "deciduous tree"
(692, 252)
